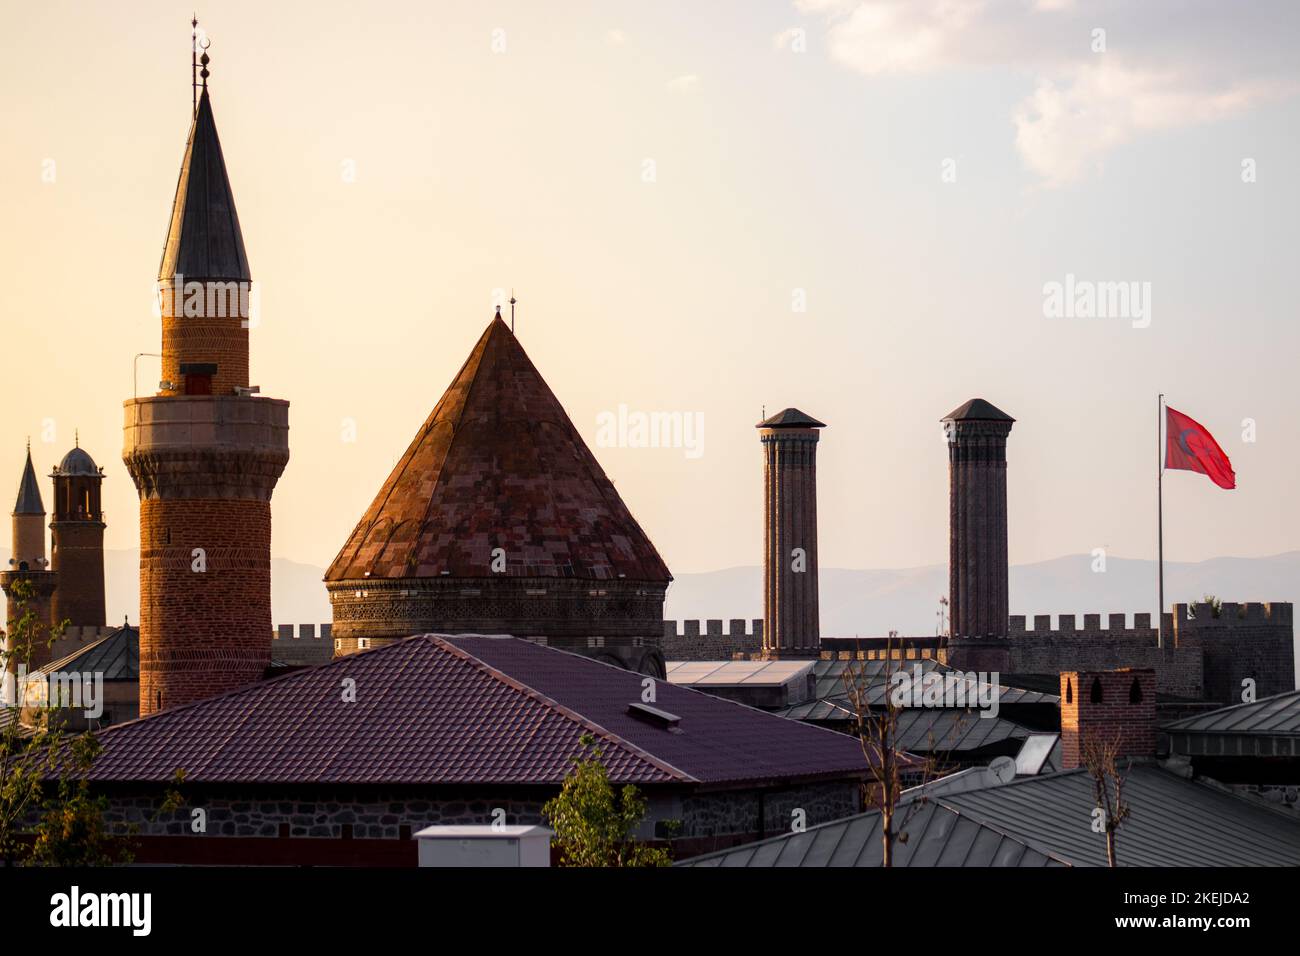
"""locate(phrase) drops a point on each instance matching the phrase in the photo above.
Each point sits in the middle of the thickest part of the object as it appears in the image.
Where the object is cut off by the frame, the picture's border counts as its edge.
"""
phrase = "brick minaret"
(28, 566)
(77, 536)
(977, 536)
(1113, 707)
(205, 454)
(791, 626)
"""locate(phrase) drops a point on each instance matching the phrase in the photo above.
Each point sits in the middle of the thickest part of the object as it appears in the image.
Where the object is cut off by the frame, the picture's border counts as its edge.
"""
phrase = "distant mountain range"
(853, 603)
(866, 603)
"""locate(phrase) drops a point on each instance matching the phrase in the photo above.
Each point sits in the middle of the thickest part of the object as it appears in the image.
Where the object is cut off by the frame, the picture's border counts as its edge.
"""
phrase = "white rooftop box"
(485, 845)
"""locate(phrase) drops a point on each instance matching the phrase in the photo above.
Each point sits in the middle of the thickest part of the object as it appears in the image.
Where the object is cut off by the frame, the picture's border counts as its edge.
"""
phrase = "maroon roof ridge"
(408, 456)
(555, 705)
(251, 688)
(509, 469)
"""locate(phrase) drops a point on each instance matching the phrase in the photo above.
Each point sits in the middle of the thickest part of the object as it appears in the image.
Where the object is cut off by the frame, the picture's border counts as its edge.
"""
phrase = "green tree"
(69, 823)
(594, 825)
(72, 831)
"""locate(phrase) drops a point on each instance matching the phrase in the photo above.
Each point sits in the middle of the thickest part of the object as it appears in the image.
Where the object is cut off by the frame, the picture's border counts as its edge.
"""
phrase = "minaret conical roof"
(29, 492)
(498, 464)
(204, 240)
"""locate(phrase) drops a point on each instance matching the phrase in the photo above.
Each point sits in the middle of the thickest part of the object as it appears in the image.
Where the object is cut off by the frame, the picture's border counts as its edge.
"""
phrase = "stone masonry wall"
(1250, 641)
(688, 643)
(261, 812)
(1047, 650)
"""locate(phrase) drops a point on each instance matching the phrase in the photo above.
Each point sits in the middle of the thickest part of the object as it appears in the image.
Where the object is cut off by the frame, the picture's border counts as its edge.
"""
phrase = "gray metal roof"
(29, 491)
(1264, 728)
(790, 418)
(977, 410)
(705, 674)
(1279, 714)
(922, 729)
(115, 655)
(937, 836)
(77, 462)
(1047, 820)
(204, 240)
(872, 674)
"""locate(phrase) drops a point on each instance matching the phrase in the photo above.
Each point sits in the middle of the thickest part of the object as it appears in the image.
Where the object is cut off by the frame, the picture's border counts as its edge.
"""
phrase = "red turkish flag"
(1190, 447)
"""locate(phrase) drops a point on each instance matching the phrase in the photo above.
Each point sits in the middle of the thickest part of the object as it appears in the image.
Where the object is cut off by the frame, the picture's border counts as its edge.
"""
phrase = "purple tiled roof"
(434, 710)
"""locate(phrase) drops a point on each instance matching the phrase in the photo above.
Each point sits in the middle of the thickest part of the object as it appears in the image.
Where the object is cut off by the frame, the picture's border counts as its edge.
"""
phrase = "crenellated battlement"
(305, 647)
(1069, 624)
(1205, 655)
(736, 628)
(1276, 613)
(687, 641)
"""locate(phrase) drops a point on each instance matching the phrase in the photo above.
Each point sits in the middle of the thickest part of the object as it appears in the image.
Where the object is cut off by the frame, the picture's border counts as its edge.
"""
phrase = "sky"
(850, 207)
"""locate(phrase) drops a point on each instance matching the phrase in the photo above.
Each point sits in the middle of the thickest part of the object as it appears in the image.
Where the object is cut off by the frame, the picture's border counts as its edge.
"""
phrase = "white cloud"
(684, 84)
(615, 37)
(1079, 105)
(787, 37)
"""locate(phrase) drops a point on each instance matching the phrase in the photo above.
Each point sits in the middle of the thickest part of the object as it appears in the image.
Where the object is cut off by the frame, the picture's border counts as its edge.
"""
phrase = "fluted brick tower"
(77, 536)
(977, 536)
(29, 566)
(205, 454)
(791, 622)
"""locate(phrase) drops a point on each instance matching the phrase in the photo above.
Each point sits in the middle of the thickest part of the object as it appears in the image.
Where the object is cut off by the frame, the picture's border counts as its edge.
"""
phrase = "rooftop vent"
(655, 716)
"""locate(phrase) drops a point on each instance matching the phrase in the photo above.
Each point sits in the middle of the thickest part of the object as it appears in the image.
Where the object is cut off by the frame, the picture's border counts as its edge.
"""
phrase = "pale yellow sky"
(479, 169)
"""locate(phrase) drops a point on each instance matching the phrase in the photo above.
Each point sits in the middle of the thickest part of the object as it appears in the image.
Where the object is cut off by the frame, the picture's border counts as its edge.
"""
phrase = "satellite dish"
(1003, 769)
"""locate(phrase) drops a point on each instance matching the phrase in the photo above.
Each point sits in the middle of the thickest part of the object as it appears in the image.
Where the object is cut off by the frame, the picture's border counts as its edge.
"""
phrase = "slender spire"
(29, 492)
(204, 240)
(194, 53)
(513, 300)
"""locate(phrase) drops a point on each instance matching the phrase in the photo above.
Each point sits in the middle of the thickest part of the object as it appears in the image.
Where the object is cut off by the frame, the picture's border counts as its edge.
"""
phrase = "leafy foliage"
(593, 824)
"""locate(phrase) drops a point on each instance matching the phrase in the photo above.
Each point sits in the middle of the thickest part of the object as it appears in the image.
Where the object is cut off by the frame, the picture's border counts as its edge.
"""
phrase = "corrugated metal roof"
(1047, 820)
(466, 710)
(116, 655)
(937, 836)
(1172, 822)
(1279, 714)
(704, 674)
(922, 729)
(872, 674)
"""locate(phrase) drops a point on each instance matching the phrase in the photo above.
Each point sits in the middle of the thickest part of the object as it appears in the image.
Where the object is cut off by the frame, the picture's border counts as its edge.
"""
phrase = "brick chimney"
(1115, 705)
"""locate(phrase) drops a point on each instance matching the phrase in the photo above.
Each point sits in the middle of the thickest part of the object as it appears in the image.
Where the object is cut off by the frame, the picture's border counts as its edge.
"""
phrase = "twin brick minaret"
(205, 454)
(791, 625)
(77, 536)
(977, 536)
(28, 582)
(69, 590)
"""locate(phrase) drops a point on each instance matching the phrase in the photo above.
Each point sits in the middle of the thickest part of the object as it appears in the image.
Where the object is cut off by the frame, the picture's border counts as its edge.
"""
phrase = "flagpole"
(1160, 518)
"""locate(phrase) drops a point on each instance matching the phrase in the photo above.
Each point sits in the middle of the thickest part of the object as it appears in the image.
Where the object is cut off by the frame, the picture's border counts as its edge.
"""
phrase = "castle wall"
(1251, 641)
(1043, 649)
(684, 640)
